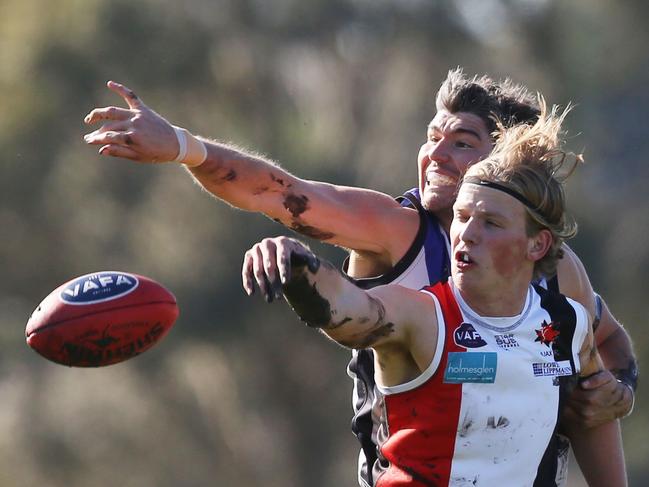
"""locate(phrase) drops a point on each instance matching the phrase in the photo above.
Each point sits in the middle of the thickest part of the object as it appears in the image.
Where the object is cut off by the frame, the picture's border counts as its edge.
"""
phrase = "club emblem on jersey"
(467, 336)
(548, 333)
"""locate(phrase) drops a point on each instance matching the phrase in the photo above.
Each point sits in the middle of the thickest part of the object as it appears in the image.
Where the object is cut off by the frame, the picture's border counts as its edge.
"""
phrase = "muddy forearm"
(244, 180)
(323, 298)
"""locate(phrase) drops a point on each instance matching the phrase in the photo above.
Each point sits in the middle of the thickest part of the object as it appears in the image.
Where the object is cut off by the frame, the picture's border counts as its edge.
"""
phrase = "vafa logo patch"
(98, 287)
(466, 335)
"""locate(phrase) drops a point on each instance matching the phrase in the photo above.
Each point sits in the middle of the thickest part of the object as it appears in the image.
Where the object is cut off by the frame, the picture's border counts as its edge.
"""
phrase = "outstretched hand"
(270, 264)
(597, 400)
(136, 132)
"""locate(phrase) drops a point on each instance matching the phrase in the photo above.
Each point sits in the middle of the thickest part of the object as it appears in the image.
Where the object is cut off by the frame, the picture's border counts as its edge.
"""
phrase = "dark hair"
(493, 101)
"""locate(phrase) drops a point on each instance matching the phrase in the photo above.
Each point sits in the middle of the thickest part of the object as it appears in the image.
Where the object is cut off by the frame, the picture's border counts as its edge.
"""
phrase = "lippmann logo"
(552, 369)
(98, 287)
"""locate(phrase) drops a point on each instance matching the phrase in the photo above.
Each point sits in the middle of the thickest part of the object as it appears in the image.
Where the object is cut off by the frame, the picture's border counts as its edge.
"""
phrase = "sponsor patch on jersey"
(506, 341)
(466, 336)
(479, 367)
(95, 288)
(552, 369)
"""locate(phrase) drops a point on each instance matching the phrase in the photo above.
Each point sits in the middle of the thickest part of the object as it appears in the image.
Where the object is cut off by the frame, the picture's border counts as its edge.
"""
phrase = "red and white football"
(101, 319)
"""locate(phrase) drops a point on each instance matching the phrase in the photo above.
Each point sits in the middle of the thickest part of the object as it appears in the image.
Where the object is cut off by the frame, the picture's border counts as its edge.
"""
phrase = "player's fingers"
(108, 113)
(625, 402)
(258, 272)
(121, 126)
(267, 248)
(284, 261)
(246, 274)
(268, 252)
(599, 379)
(126, 93)
(110, 137)
(118, 151)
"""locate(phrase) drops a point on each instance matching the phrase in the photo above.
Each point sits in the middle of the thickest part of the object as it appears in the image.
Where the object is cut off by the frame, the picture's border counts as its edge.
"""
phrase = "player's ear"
(539, 244)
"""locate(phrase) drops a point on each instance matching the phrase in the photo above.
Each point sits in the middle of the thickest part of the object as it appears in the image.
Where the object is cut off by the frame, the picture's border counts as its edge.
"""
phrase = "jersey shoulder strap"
(428, 235)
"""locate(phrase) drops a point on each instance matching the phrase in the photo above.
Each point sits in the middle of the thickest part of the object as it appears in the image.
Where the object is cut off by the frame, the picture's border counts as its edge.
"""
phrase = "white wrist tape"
(192, 151)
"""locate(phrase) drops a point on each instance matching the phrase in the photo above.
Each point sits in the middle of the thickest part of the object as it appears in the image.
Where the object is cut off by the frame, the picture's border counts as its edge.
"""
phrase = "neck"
(497, 301)
(445, 217)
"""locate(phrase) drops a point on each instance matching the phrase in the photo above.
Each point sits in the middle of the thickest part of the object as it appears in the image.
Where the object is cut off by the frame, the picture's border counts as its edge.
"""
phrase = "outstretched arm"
(399, 323)
(318, 293)
(354, 218)
(601, 397)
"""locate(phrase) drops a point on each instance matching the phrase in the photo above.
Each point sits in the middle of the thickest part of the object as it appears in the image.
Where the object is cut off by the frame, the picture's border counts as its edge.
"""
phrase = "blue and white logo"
(479, 367)
(98, 287)
(552, 369)
(466, 335)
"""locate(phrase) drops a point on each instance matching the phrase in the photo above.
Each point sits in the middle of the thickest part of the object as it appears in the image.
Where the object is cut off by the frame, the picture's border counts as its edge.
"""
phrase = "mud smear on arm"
(380, 329)
(307, 302)
(296, 206)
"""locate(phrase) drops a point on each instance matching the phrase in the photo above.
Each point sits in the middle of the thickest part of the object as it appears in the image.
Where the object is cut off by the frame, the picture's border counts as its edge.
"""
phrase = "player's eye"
(463, 145)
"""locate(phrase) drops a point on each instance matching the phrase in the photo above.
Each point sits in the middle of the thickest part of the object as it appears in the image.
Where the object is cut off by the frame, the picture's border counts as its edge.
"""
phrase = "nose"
(470, 231)
(438, 152)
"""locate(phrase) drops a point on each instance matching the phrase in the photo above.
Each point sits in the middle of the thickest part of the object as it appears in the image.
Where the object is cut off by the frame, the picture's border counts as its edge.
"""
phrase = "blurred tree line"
(341, 90)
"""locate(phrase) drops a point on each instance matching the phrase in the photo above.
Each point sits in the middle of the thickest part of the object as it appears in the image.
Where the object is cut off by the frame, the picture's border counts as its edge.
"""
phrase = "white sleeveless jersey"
(425, 263)
(485, 411)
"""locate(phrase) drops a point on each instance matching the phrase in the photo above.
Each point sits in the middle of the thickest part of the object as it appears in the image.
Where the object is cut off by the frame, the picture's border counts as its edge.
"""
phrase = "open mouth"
(438, 178)
(463, 257)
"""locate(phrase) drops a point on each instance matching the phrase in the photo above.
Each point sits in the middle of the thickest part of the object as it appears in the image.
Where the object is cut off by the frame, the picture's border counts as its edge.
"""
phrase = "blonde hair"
(530, 162)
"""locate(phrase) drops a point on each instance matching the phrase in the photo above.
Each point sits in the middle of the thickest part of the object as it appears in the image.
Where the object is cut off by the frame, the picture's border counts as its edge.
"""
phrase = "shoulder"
(403, 227)
(573, 280)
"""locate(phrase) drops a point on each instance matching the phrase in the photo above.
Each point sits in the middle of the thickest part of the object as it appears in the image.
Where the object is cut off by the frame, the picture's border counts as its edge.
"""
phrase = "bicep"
(573, 280)
(354, 218)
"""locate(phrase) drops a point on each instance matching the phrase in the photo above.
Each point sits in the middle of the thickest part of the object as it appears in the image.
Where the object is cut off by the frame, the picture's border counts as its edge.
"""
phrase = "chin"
(465, 282)
(438, 200)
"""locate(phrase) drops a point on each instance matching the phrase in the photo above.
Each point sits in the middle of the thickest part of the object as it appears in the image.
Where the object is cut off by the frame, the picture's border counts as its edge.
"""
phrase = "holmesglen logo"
(477, 367)
(98, 287)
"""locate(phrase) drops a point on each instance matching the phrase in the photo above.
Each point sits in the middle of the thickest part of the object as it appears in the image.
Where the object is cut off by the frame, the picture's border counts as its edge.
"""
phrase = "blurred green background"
(240, 393)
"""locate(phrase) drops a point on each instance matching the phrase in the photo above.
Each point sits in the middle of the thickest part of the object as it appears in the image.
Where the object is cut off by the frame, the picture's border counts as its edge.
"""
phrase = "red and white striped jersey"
(485, 411)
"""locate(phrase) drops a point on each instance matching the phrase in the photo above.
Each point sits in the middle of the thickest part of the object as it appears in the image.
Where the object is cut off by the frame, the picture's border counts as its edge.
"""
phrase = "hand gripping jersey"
(485, 412)
(426, 262)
